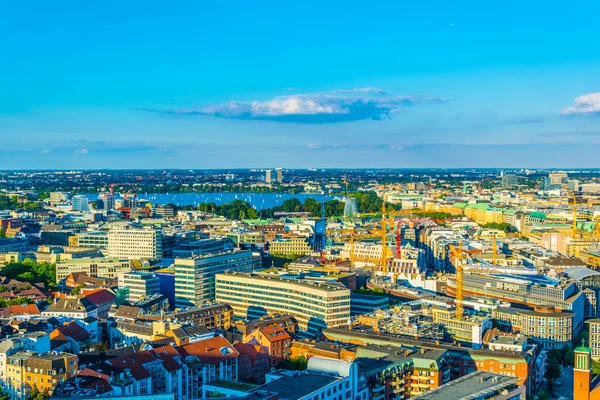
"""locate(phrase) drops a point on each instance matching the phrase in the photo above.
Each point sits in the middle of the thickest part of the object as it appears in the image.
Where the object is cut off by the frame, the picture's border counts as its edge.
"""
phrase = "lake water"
(260, 201)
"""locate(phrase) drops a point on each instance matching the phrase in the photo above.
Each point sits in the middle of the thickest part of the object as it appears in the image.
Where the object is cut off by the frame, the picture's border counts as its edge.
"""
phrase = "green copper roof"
(537, 214)
(479, 206)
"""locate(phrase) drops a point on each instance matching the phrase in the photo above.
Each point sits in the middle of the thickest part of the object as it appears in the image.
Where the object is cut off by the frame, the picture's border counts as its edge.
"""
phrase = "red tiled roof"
(100, 296)
(20, 309)
(209, 350)
(250, 350)
(72, 330)
(274, 333)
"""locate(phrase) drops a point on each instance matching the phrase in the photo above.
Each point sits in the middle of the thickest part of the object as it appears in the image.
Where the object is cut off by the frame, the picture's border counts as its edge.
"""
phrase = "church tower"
(582, 372)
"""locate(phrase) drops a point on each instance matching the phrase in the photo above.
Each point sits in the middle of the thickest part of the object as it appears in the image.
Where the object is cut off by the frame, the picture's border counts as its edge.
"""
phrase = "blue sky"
(235, 84)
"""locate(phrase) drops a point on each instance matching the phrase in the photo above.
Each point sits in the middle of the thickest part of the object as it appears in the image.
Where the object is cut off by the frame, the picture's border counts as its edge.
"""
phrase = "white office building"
(134, 243)
(195, 277)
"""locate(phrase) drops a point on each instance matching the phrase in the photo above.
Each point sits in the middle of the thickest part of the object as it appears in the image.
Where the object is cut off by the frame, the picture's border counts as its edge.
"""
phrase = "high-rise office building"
(80, 203)
(558, 178)
(195, 277)
(573, 185)
(58, 197)
(107, 200)
(279, 175)
(134, 243)
(316, 305)
(139, 285)
(268, 177)
(509, 180)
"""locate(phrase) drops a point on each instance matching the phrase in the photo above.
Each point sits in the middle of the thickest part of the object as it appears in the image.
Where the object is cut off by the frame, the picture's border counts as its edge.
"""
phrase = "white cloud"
(83, 150)
(45, 151)
(584, 104)
(323, 107)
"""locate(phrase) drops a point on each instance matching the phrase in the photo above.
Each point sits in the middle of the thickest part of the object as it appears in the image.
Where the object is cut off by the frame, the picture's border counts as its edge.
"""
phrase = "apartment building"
(26, 371)
(139, 285)
(315, 305)
(402, 373)
(94, 267)
(594, 339)
(195, 277)
(546, 326)
(128, 242)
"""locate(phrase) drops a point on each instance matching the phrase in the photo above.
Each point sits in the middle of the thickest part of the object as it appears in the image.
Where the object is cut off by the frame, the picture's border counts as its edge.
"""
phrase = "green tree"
(553, 371)
(36, 394)
(2, 233)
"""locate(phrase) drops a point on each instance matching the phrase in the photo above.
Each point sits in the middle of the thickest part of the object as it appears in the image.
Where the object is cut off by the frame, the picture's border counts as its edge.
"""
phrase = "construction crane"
(495, 249)
(383, 241)
(458, 256)
(574, 227)
(323, 238)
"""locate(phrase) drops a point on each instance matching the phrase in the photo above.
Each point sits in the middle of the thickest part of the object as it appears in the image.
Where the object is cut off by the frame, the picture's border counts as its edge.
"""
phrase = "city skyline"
(332, 85)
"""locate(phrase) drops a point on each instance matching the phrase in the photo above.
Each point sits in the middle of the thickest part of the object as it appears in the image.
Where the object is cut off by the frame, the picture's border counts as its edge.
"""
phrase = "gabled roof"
(274, 333)
(100, 296)
(210, 351)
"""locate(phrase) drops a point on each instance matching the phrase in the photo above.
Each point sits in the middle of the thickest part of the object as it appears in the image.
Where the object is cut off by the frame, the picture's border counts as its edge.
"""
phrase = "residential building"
(401, 373)
(134, 243)
(274, 339)
(139, 284)
(26, 371)
(594, 338)
(268, 176)
(94, 267)
(314, 305)
(195, 277)
(253, 363)
(74, 308)
(279, 172)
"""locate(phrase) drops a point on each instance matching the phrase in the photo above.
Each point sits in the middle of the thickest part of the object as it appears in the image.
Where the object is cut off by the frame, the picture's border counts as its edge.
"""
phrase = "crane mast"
(383, 241)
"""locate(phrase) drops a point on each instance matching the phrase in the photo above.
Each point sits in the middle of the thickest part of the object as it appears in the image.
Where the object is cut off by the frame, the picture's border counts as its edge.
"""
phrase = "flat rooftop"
(475, 385)
(296, 387)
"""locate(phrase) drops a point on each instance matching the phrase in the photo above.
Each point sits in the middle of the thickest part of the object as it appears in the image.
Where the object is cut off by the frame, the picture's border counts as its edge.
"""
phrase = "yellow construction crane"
(458, 256)
(574, 227)
(495, 249)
